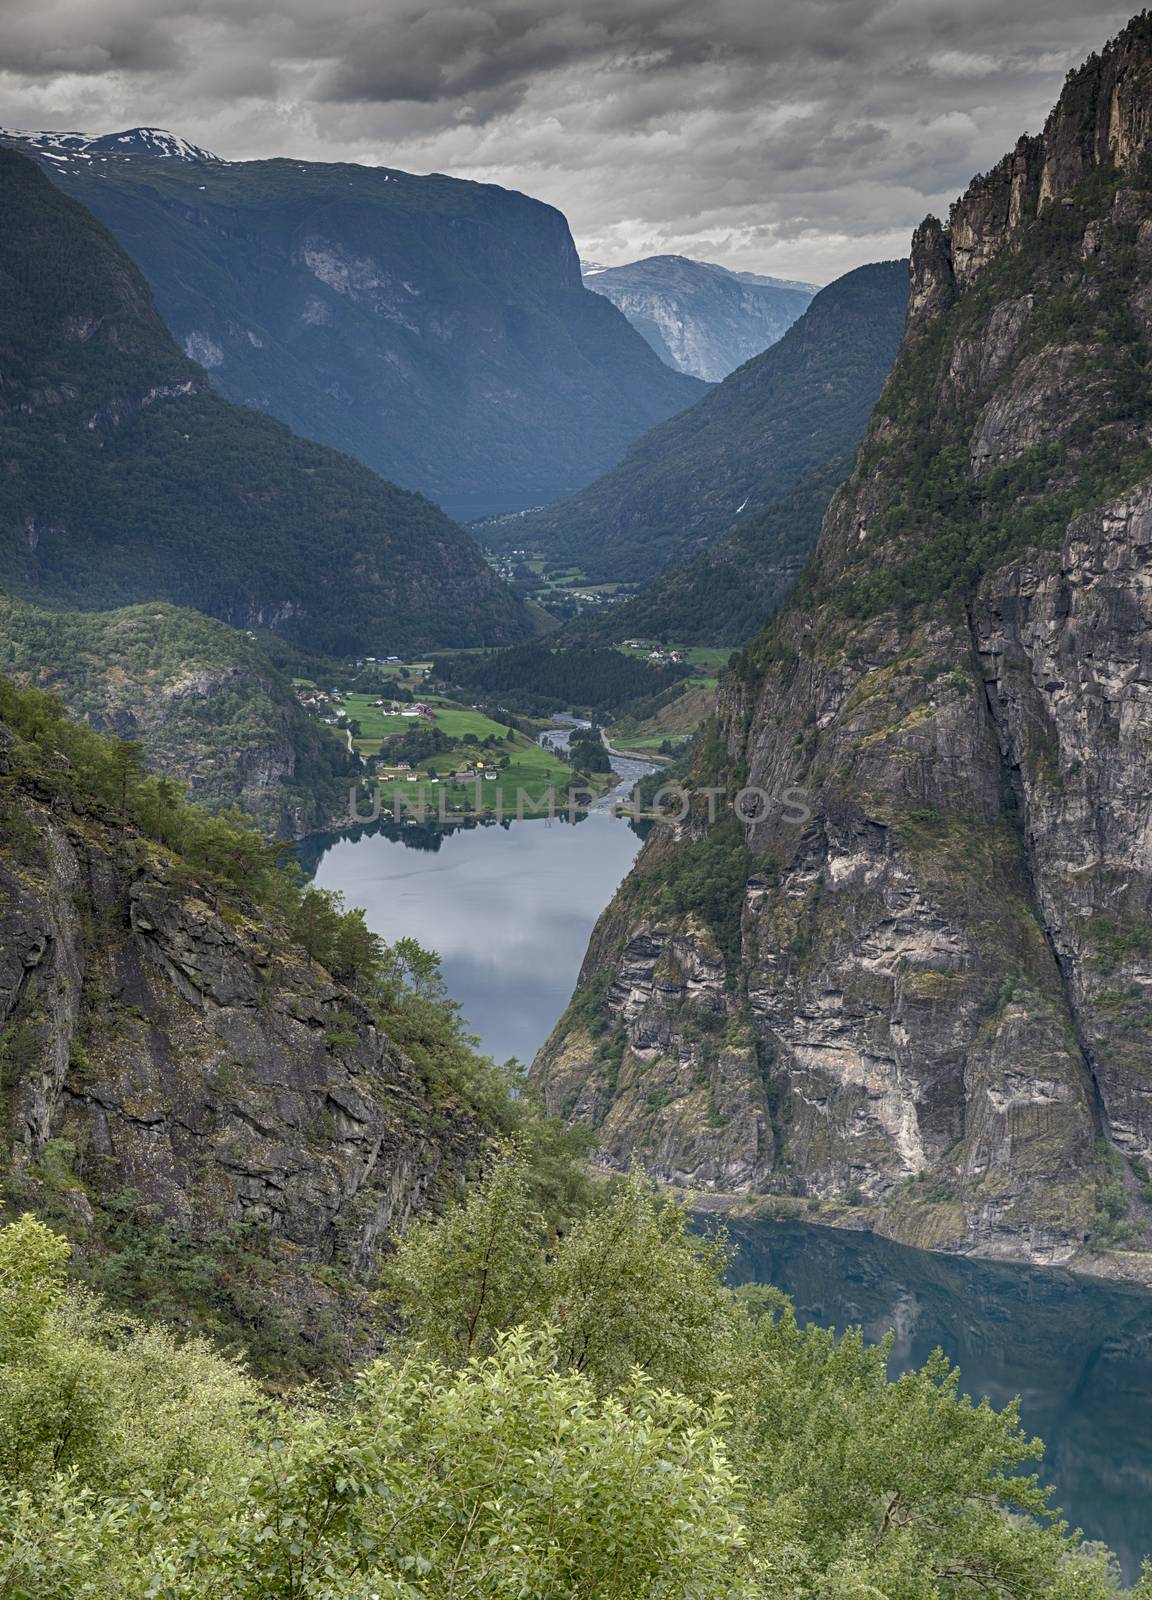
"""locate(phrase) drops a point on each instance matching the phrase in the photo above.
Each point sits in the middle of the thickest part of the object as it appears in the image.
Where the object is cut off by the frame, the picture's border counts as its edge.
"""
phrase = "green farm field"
(531, 768)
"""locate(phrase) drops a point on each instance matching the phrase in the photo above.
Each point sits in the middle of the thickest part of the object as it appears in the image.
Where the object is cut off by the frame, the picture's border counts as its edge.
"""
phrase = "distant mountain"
(436, 329)
(89, 147)
(203, 700)
(127, 479)
(749, 444)
(699, 317)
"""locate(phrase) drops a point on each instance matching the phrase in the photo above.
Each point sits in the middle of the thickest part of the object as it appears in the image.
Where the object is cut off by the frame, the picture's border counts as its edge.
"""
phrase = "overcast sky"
(798, 137)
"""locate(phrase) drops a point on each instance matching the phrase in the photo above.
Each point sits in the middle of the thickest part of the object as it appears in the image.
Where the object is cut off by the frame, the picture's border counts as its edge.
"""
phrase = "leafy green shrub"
(642, 1434)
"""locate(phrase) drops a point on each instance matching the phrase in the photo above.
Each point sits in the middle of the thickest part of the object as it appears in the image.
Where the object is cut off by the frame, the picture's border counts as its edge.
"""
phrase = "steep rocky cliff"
(915, 989)
(224, 1129)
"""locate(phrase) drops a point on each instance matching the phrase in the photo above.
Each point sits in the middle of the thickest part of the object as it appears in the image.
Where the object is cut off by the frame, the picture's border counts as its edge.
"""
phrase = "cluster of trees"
(707, 876)
(587, 753)
(417, 744)
(536, 680)
(581, 1410)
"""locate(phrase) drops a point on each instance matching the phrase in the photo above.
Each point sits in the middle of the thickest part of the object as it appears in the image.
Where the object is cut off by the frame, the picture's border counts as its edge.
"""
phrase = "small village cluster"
(656, 653)
(402, 770)
(329, 708)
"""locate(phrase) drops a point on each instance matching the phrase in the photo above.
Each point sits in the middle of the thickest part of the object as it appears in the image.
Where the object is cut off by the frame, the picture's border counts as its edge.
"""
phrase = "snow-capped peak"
(153, 142)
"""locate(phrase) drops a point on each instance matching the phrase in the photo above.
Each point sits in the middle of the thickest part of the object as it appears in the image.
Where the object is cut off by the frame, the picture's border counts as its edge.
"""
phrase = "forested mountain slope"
(205, 704)
(725, 595)
(127, 479)
(914, 987)
(781, 416)
(436, 329)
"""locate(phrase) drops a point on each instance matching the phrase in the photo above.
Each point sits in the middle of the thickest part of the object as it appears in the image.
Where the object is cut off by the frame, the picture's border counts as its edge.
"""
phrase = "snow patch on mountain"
(67, 145)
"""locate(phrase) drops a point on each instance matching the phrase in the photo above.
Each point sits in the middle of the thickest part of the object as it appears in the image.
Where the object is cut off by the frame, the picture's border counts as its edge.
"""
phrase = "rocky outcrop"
(931, 1016)
(165, 1046)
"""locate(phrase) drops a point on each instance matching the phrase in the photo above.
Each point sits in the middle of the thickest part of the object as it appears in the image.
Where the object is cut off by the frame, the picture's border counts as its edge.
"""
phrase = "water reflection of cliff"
(1077, 1352)
(430, 835)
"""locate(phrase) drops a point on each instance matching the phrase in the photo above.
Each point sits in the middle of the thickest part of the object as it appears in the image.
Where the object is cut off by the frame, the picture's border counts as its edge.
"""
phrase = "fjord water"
(1077, 1351)
(509, 908)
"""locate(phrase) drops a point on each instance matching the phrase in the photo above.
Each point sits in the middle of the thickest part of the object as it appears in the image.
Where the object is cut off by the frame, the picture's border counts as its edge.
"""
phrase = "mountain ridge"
(129, 479)
(157, 142)
(435, 328)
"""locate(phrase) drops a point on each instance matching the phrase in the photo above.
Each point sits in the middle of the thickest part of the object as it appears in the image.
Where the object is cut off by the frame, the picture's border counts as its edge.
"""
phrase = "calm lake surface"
(1076, 1351)
(510, 910)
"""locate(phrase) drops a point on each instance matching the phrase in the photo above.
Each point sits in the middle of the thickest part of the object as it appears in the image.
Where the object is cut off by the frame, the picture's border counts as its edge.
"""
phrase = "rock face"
(436, 329)
(165, 1045)
(926, 1004)
(699, 317)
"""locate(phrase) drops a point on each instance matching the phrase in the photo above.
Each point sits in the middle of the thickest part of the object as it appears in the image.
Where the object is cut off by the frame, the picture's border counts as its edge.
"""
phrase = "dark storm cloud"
(794, 135)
